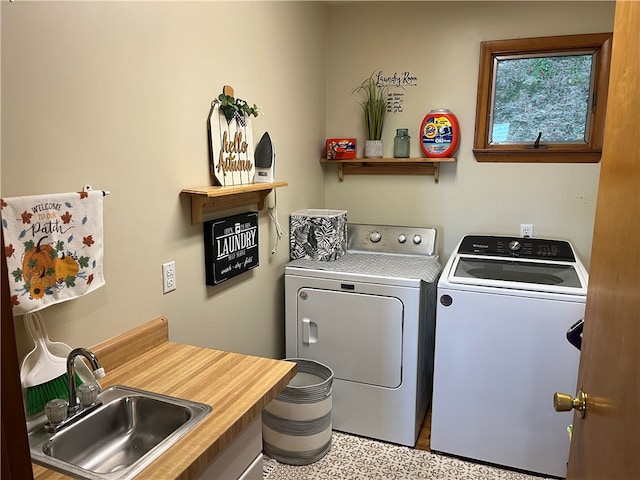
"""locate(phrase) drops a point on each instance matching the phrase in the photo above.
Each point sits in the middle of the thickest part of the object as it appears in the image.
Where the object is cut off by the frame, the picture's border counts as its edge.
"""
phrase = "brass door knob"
(563, 402)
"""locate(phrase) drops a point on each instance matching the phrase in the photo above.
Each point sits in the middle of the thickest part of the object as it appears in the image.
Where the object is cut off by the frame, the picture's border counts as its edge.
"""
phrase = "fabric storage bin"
(296, 425)
(318, 234)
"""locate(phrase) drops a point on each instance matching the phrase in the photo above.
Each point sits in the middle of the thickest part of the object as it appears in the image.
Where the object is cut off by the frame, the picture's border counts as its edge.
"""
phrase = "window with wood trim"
(542, 99)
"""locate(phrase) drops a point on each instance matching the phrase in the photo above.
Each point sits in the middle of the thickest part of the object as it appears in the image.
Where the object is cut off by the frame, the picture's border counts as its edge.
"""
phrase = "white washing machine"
(370, 316)
(505, 306)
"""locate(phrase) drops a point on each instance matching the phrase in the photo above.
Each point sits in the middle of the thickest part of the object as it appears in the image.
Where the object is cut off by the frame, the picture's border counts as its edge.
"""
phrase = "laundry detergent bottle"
(439, 134)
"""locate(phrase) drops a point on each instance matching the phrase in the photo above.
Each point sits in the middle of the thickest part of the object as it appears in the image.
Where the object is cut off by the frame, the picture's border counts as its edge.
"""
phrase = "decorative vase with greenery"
(374, 106)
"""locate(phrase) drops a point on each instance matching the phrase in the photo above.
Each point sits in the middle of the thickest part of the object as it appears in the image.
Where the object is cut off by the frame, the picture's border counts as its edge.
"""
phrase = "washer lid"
(543, 276)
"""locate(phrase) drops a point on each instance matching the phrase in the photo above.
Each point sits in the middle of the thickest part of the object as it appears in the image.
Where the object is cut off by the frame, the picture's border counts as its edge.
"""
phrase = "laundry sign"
(395, 99)
(230, 246)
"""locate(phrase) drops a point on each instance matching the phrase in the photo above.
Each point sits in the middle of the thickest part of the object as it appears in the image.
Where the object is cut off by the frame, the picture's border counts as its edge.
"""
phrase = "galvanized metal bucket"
(296, 425)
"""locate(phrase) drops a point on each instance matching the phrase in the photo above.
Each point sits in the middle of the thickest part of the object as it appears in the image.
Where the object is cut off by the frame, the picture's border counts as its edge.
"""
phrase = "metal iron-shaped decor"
(231, 145)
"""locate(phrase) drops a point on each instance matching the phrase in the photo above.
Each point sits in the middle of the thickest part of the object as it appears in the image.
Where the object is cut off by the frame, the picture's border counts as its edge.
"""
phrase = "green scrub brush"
(44, 375)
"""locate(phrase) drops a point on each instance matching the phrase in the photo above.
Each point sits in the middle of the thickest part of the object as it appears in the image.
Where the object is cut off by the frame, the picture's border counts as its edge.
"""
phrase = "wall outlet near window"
(526, 230)
(168, 277)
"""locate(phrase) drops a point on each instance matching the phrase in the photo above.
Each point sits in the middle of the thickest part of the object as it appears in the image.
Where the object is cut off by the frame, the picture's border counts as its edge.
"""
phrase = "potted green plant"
(374, 106)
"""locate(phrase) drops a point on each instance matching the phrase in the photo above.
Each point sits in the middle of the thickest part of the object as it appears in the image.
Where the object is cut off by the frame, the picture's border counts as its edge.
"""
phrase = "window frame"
(589, 152)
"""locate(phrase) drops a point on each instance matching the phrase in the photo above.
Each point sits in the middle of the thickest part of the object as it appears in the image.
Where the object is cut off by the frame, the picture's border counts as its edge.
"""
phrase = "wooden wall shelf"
(389, 166)
(213, 199)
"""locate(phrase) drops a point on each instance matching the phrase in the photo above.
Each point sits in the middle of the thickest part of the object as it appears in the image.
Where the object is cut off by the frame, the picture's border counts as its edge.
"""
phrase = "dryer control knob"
(402, 238)
(417, 239)
(375, 236)
(514, 245)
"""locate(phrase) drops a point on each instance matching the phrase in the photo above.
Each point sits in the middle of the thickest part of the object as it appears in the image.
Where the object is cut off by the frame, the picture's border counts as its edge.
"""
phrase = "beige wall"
(116, 94)
(439, 43)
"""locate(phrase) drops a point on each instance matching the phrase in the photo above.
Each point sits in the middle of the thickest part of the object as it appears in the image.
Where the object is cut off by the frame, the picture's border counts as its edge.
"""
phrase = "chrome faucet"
(98, 371)
(60, 413)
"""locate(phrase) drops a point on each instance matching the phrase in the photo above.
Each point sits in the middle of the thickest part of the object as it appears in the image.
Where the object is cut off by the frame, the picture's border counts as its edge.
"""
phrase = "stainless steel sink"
(119, 438)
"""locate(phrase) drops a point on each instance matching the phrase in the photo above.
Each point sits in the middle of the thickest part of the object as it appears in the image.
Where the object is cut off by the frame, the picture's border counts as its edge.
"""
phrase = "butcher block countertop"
(237, 387)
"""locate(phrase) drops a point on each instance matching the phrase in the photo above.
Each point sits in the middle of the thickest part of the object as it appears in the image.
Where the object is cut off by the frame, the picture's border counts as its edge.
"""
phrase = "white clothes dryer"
(370, 316)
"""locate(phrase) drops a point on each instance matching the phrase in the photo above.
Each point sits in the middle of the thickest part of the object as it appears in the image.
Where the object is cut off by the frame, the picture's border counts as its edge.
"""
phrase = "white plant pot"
(373, 148)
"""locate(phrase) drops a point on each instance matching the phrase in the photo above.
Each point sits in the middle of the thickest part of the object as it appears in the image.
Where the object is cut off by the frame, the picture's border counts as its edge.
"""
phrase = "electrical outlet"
(168, 277)
(526, 230)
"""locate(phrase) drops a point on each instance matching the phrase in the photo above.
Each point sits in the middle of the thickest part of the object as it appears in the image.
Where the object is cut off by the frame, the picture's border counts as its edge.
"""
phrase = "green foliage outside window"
(549, 94)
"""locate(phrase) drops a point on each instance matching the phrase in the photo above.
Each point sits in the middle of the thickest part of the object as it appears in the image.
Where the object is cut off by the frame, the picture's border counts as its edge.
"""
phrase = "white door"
(358, 335)
(605, 442)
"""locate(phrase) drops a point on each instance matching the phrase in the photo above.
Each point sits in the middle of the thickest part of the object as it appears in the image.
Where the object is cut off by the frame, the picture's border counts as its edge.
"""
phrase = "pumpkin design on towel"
(38, 268)
(66, 267)
(42, 269)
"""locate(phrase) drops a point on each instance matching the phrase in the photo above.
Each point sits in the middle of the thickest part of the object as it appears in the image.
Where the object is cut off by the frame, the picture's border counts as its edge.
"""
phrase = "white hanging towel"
(53, 247)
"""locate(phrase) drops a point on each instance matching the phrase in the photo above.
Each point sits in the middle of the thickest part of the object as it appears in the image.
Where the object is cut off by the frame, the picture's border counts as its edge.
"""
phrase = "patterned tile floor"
(356, 458)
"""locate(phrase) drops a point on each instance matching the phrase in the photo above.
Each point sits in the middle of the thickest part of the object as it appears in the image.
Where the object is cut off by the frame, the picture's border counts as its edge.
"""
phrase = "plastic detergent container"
(439, 134)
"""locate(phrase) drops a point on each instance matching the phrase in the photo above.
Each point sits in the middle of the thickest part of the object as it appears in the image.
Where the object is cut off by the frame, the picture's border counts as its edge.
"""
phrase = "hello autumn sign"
(231, 140)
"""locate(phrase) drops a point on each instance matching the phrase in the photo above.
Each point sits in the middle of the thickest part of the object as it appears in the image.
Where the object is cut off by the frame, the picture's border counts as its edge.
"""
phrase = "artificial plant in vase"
(374, 106)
